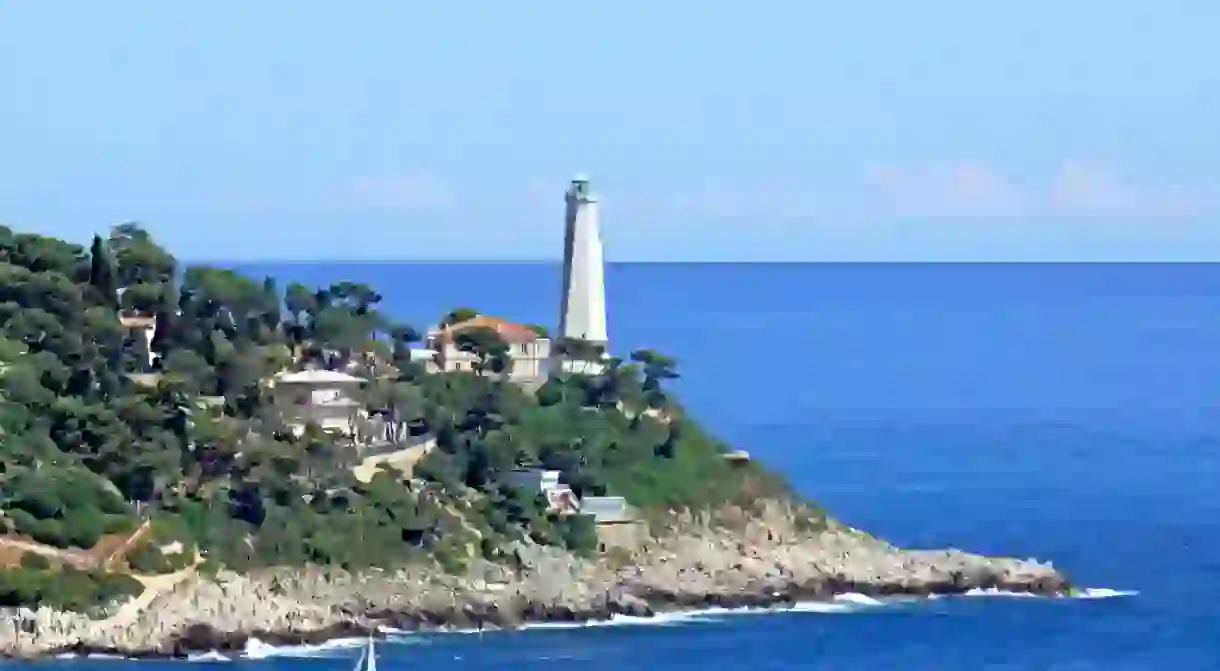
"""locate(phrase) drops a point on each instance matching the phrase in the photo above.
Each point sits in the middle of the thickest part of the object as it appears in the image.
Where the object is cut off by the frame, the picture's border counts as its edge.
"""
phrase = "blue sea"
(1066, 412)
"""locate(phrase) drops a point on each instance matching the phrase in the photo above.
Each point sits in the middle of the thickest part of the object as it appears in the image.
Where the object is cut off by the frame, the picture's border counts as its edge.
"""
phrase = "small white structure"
(534, 479)
(145, 325)
(560, 497)
(423, 355)
(321, 397)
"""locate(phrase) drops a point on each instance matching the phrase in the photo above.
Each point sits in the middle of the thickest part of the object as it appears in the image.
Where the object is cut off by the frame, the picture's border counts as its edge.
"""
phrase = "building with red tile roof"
(529, 350)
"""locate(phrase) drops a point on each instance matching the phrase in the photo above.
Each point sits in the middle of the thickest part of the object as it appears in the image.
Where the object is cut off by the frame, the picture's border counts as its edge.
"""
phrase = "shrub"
(451, 559)
(619, 558)
(50, 532)
(579, 533)
(20, 586)
(41, 503)
(117, 524)
(179, 560)
(113, 586)
(83, 527)
(65, 590)
(22, 521)
(111, 504)
(209, 568)
(148, 558)
(35, 562)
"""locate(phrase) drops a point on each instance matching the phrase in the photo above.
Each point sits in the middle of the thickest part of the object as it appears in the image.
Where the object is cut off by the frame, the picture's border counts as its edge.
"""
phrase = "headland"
(189, 459)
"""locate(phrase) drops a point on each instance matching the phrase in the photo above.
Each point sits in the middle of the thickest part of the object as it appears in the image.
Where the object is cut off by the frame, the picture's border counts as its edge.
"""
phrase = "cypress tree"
(102, 273)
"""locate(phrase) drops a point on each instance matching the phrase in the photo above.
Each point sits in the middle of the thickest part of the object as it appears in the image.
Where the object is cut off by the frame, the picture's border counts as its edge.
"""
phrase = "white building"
(321, 397)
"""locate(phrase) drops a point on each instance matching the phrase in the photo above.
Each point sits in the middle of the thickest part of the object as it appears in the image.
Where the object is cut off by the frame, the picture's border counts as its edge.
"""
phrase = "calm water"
(1064, 412)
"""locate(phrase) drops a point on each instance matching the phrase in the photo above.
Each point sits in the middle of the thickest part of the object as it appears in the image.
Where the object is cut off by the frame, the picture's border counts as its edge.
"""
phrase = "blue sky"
(767, 130)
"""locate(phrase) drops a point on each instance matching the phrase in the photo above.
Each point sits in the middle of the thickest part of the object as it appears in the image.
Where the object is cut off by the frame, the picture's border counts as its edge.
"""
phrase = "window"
(524, 348)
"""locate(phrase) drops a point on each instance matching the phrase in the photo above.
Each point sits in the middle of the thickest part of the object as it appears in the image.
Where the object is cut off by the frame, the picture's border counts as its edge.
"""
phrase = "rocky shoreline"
(759, 560)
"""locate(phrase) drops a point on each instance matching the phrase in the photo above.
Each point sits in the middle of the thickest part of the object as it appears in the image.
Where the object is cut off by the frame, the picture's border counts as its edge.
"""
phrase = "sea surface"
(1067, 412)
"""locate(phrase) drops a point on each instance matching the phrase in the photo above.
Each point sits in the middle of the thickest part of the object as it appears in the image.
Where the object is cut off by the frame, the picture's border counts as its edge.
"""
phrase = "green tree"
(356, 297)
(487, 345)
(188, 370)
(11, 350)
(140, 261)
(143, 298)
(582, 351)
(102, 273)
(300, 302)
(459, 315)
(657, 367)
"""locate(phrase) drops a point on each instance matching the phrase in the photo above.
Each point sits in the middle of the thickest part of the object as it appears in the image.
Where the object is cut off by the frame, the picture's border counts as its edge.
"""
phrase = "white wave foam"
(210, 656)
(256, 649)
(840, 604)
(1104, 593)
(857, 599)
(817, 607)
(993, 592)
(704, 615)
(661, 620)
(1085, 594)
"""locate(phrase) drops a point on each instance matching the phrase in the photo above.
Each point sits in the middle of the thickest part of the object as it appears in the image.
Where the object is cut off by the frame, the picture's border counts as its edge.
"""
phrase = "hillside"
(101, 430)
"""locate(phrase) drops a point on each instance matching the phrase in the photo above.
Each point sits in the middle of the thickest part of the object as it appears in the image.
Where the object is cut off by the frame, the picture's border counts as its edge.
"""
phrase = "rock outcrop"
(761, 559)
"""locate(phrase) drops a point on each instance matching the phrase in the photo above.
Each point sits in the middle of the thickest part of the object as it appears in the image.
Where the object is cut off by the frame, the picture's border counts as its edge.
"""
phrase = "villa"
(529, 351)
(320, 397)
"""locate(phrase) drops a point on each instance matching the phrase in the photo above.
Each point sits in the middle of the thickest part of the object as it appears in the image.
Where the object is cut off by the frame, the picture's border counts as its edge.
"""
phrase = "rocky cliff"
(764, 558)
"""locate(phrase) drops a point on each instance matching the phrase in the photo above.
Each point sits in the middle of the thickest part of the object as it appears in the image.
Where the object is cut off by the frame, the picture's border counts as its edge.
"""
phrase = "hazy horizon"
(945, 130)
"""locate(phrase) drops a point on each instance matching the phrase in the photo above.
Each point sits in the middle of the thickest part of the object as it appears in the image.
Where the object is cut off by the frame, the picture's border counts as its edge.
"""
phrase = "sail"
(360, 662)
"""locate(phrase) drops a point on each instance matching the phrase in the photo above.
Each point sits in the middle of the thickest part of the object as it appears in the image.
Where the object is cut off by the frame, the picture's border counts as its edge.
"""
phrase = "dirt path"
(154, 587)
(403, 460)
(120, 552)
(76, 559)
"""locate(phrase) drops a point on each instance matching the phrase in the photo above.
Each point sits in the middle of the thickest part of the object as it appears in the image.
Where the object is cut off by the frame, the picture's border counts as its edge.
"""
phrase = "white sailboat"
(368, 658)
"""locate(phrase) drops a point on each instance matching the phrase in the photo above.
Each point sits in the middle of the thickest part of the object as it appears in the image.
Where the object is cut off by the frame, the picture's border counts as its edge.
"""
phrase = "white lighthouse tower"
(582, 312)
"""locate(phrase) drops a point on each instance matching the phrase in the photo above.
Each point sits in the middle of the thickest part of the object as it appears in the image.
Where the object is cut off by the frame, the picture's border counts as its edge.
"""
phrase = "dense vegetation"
(93, 428)
(37, 583)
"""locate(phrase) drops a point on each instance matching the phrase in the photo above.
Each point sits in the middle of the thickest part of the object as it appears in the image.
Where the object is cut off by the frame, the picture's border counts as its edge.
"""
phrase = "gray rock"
(754, 560)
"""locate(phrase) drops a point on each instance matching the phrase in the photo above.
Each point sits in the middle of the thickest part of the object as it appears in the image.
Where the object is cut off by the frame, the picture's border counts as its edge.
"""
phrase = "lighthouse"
(582, 311)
